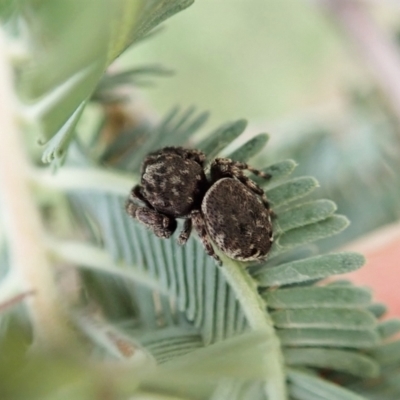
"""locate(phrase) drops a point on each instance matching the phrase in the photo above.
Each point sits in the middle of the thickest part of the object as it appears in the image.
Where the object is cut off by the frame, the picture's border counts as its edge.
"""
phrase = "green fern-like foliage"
(154, 320)
(174, 300)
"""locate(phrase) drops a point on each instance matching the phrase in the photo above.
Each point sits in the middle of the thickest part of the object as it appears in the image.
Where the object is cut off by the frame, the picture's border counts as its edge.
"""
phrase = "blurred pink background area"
(382, 269)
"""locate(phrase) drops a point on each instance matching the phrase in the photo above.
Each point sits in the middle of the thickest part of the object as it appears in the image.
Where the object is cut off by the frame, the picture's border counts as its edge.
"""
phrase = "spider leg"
(227, 166)
(161, 225)
(186, 231)
(200, 227)
(136, 194)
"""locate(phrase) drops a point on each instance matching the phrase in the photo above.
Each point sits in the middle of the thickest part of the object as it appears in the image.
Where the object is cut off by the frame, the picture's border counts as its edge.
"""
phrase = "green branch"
(258, 318)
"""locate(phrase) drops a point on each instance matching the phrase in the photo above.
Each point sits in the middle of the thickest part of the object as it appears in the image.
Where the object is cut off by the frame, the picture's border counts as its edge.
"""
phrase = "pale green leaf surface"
(90, 257)
(378, 309)
(136, 75)
(174, 129)
(304, 214)
(61, 25)
(57, 145)
(310, 233)
(341, 283)
(228, 357)
(168, 343)
(221, 137)
(329, 338)
(155, 12)
(317, 388)
(59, 76)
(276, 171)
(292, 190)
(310, 269)
(185, 127)
(332, 318)
(389, 327)
(250, 148)
(318, 297)
(340, 360)
(229, 390)
(388, 353)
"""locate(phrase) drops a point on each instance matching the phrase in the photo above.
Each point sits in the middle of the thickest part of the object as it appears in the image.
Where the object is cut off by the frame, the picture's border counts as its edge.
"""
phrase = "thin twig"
(28, 255)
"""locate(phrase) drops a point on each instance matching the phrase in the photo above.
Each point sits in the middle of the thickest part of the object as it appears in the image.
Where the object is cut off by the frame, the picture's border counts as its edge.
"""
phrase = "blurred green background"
(247, 58)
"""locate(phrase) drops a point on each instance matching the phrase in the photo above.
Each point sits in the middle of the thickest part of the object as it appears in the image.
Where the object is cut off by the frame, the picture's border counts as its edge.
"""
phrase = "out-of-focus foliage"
(65, 49)
(356, 156)
(154, 320)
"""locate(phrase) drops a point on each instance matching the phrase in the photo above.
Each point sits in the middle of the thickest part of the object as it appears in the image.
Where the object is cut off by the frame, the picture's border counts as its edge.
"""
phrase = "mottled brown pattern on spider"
(173, 184)
(228, 208)
(237, 220)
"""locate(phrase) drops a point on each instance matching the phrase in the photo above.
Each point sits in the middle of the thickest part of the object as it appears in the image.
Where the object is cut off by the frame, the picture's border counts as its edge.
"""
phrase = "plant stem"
(258, 318)
(24, 231)
(71, 178)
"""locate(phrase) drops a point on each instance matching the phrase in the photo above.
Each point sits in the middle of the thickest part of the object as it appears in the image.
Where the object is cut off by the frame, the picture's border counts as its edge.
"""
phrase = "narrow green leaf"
(156, 12)
(210, 293)
(250, 148)
(317, 388)
(310, 269)
(185, 127)
(378, 309)
(339, 360)
(116, 343)
(221, 137)
(111, 80)
(228, 357)
(190, 270)
(341, 283)
(62, 25)
(228, 390)
(304, 214)
(388, 353)
(59, 110)
(201, 270)
(166, 344)
(389, 328)
(318, 297)
(291, 190)
(310, 233)
(331, 318)
(220, 312)
(86, 256)
(174, 129)
(329, 338)
(277, 171)
(87, 180)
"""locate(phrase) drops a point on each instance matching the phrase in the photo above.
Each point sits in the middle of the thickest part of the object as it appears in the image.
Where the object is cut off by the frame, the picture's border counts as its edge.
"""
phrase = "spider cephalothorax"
(229, 208)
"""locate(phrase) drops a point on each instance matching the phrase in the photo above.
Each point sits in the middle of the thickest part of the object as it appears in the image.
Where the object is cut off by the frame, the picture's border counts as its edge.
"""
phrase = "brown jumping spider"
(228, 208)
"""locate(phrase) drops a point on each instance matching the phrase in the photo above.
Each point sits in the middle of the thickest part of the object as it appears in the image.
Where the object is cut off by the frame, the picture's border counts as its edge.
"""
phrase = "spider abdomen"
(237, 220)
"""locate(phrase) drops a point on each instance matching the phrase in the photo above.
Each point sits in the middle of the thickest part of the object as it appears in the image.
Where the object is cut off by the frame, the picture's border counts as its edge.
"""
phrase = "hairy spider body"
(237, 220)
(173, 182)
(229, 208)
